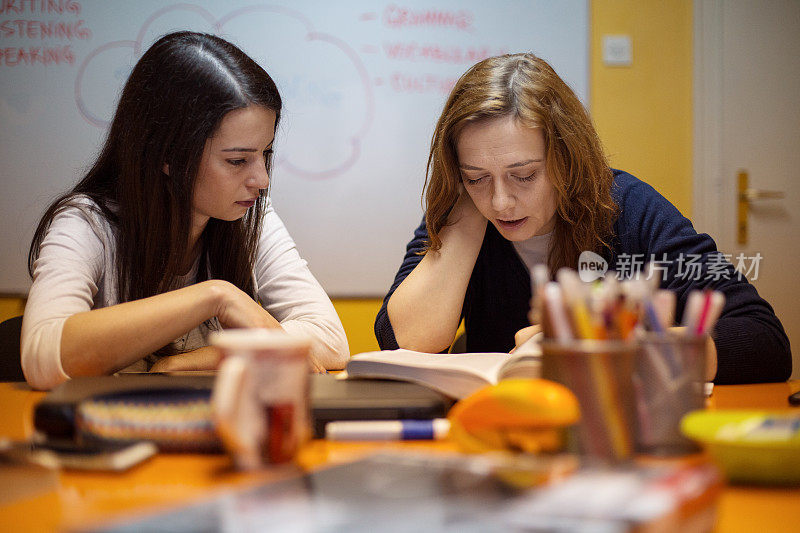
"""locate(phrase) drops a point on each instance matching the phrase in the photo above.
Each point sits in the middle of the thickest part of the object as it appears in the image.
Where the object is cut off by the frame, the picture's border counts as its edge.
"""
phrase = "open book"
(455, 375)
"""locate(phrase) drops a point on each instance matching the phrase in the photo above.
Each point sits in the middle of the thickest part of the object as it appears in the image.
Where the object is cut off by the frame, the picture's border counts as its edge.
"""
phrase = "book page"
(524, 365)
(483, 365)
(455, 375)
(525, 360)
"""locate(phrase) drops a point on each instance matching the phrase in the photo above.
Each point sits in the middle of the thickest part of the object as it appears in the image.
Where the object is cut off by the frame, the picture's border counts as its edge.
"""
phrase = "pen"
(704, 310)
(691, 314)
(555, 313)
(387, 429)
(664, 302)
(540, 276)
(575, 300)
(716, 303)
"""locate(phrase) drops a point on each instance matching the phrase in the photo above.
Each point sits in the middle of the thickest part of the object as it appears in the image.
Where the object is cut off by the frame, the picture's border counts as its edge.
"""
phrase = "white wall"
(363, 84)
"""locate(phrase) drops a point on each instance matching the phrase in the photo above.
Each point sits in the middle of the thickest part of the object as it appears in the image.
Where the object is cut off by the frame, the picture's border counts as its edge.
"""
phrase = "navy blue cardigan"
(751, 343)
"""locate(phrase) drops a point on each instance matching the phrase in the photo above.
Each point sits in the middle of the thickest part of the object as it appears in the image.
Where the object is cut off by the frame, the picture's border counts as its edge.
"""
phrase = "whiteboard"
(363, 84)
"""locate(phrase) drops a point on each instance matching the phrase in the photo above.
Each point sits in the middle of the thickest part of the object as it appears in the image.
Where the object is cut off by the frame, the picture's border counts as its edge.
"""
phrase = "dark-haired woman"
(171, 233)
(517, 176)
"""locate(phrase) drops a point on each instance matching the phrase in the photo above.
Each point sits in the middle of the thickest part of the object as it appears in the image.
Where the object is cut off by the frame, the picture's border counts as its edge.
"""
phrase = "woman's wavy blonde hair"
(527, 88)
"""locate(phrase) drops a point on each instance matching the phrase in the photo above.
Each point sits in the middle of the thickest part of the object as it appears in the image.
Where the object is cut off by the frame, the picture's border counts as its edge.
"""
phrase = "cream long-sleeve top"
(76, 272)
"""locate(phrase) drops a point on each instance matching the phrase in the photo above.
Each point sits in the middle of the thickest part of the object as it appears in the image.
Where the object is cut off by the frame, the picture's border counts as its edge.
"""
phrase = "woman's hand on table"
(206, 358)
(524, 335)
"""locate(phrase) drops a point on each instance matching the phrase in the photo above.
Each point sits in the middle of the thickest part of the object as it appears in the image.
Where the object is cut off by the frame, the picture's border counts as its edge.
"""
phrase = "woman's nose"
(502, 198)
(259, 178)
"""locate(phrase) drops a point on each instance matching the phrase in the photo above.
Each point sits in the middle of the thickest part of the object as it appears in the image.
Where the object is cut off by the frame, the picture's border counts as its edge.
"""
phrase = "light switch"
(617, 50)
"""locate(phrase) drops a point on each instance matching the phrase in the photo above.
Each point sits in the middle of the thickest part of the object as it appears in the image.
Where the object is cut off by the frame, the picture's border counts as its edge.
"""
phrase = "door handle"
(745, 196)
(751, 195)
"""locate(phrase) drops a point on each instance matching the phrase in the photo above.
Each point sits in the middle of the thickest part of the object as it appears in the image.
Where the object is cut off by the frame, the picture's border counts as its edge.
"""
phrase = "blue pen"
(387, 429)
(658, 329)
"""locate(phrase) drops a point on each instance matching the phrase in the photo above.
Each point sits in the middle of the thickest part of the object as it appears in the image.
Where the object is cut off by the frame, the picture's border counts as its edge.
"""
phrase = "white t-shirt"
(534, 250)
(76, 272)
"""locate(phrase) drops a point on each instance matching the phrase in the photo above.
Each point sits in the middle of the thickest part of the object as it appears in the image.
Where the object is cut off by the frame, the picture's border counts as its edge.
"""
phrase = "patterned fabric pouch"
(176, 420)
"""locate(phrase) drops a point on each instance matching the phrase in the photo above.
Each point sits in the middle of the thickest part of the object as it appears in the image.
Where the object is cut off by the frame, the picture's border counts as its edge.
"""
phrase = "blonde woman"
(517, 176)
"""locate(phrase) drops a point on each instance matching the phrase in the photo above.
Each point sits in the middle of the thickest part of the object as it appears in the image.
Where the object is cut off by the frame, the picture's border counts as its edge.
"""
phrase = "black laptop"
(331, 398)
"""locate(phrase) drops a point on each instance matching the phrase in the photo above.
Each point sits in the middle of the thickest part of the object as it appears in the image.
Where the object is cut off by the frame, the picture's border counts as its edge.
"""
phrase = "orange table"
(78, 499)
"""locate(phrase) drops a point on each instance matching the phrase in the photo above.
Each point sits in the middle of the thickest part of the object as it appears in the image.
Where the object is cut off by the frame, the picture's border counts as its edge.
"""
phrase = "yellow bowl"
(761, 447)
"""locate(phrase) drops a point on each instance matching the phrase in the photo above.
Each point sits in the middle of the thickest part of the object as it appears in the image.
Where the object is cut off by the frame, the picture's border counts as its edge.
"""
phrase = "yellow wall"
(643, 114)
(10, 307)
(358, 318)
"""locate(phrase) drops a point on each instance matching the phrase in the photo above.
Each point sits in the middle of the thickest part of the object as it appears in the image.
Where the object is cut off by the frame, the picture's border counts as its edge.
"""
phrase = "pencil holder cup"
(261, 395)
(600, 374)
(669, 379)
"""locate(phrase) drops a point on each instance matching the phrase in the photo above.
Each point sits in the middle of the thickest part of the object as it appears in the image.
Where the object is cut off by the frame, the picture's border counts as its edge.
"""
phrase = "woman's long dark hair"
(173, 101)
